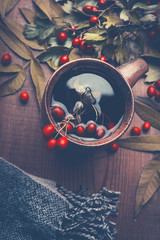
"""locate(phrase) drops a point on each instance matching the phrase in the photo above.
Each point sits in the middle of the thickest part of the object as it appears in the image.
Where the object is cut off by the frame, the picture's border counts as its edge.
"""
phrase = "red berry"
(100, 132)
(151, 91)
(6, 59)
(156, 12)
(87, 9)
(82, 45)
(152, 34)
(157, 83)
(91, 128)
(114, 147)
(94, 9)
(110, 125)
(136, 131)
(158, 2)
(62, 37)
(72, 27)
(58, 113)
(48, 130)
(64, 59)
(157, 96)
(51, 144)
(80, 131)
(103, 58)
(102, 3)
(76, 42)
(148, 2)
(62, 142)
(146, 126)
(24, 97)
(93, 19)
(69, 127)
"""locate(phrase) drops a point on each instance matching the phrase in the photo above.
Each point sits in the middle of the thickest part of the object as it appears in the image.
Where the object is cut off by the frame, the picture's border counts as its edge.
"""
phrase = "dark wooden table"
(22, 143)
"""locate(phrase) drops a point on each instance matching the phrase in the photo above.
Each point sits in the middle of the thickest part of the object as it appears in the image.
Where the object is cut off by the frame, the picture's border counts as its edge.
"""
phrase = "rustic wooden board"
(22, 143)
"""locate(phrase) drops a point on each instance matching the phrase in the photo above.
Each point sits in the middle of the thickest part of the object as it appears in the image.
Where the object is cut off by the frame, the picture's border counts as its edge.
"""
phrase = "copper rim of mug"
(114, 74)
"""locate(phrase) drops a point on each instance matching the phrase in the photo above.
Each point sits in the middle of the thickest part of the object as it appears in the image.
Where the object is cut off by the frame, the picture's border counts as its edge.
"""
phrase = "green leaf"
(148, 184)
(38, 79)
(68, 7)
(18, 30)
(74, 54)
(13, 84)
(89, 36)
(14, 43)
(119, 4)
(146, 7)
(52, 52)
(53, 42)
(148, 114)
(108, 50)
(31, 31)
(141, 143)
(112, 19)
(45, 33)
(44, 7)
(82, 26)
(124, 15)
(28, 14)
(153, 74)
(148, 18)
(122, 54)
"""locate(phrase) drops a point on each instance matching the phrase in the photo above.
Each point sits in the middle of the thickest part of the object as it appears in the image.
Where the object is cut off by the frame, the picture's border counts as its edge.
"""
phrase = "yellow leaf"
(14, 43)
(38, 79)
(13, 84)
(56, 12)
(112, 19)
(10, 69)
(149, 182)
(18, 30)
(28, 14)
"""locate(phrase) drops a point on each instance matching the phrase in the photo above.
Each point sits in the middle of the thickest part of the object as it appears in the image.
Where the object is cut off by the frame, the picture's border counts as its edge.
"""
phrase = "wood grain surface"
(22, 143)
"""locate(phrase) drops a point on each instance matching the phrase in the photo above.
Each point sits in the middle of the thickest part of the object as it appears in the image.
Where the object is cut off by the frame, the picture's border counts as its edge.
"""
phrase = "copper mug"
(125, 76)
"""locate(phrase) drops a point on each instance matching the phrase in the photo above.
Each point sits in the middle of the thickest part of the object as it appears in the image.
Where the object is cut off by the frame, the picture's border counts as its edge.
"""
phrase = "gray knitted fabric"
(32, 211)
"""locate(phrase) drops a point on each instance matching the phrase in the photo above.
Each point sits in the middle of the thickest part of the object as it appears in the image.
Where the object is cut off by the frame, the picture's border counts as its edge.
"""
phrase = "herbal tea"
(87, 106)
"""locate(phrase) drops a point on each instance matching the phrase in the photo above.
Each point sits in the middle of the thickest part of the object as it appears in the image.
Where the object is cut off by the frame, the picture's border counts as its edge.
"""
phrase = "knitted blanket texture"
(35, 209)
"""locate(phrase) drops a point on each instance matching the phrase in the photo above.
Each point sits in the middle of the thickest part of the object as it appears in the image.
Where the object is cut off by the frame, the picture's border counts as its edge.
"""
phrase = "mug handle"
(133, 70)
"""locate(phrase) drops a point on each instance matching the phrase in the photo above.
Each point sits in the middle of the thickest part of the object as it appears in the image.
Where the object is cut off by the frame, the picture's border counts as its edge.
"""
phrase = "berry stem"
(108, 8)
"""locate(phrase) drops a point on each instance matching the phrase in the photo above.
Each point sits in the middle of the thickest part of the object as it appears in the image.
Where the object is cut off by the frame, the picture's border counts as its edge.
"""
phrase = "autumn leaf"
(74, 54)
(38, 79)
(148, 184)
(18, 30)
(10, 5)
(10, 69)
(57, 12)
(13, 84)
(112, 19)
(28, 14)
(149, 102)
(148, 114)
(44, 6)
(141, 143)
(14, 43)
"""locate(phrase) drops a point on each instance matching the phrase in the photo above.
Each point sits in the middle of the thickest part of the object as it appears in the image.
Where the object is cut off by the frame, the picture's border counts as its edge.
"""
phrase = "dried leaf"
(68, 7)
(10, 5)
(149, 101)
(3, 6)
(148, 184)
(148, 114)
(153, 73)
(10, 69)
(44, 6)
(13, 84)
(38, 79)
(28, 14)
(56, 12)
(141, 143)
(74, 54)
(18, 30)
(14, 43)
